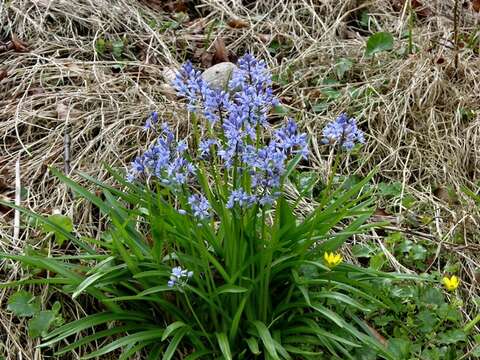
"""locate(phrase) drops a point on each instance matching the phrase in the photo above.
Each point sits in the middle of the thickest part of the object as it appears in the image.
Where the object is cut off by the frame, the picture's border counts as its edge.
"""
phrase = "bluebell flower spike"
(343, 131)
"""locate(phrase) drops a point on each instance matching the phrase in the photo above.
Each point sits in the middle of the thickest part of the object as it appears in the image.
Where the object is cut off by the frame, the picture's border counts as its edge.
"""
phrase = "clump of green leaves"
(56, 221)
(379, 42)
(23, 304)
(111, 49)
(421, 324)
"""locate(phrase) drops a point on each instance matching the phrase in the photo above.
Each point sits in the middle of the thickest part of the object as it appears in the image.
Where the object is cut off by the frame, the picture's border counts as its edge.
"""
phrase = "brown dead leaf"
(36, 91)
(221, 52)
(3, 74)
(421, 10)
(237, 23)
(381, 212)
(204, 57)
(173, 6)
(445, 195)
(376, 334)
(18, 45)
(476, 5)
(5, 46)
(154, 4)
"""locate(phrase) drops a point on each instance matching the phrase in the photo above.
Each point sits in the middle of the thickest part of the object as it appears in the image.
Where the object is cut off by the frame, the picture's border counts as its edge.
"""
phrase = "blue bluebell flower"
(189, 83)
(179, 276)
(200, 206)
(205, 146)
(215, 104)
(164, 160)
(290, 141)
(241, 198)
(343, 132)
(152, 120)
(250, 71)
(251, 83)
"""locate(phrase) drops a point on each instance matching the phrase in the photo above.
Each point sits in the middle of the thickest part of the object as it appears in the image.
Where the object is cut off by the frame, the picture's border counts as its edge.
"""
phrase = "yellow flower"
(332, 259)
(451, 283)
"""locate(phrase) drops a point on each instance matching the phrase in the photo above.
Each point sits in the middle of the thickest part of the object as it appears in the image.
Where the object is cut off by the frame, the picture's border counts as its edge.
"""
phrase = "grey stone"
(217, 76)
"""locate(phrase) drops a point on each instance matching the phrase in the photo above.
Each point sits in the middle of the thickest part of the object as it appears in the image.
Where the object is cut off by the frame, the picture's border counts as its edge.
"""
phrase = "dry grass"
(410, 106)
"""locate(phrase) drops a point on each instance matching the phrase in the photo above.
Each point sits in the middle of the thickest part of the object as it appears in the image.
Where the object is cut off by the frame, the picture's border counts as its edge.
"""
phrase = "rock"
(218, 75)
(166, 88)
(169, 75)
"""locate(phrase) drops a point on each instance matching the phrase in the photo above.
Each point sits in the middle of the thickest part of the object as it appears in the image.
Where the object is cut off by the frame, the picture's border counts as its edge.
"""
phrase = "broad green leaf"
(400, 348)
(224, 345)
(140, 336)
(377, 261)
(230, 289)
(449, 312)
(253, 346)
(418, 252)
(100, 46)
(426, 321)
(172, 347)
(63, 222)
(342, 66)
(360, 250)
(23, 304)
(378, 42)
(39, 324)
(170, 329)
(452, 336)
(280, 110)
(432, 296)
(266, 338)
(117, 49)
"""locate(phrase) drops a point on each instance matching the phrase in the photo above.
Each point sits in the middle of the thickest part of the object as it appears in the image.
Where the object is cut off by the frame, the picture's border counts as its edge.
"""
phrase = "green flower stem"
(198, 320)
(331, 176)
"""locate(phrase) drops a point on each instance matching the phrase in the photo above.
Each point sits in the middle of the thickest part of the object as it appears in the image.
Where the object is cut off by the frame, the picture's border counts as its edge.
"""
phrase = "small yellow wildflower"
(332, 259)
(451, 283)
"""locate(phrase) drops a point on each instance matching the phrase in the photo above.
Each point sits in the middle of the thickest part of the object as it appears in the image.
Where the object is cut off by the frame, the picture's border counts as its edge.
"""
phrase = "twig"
(16, 219)
(66, 151)
(455, 32)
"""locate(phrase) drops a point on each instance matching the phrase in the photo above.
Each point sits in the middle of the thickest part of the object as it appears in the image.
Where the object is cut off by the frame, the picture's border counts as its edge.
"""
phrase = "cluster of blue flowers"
(164, 160)
(242, 110)
(179, 276)
(237, 115)
(200, 206)
(343, 132)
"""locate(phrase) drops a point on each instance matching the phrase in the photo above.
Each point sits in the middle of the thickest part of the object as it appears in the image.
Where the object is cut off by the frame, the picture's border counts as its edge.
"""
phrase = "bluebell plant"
(205, 256)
